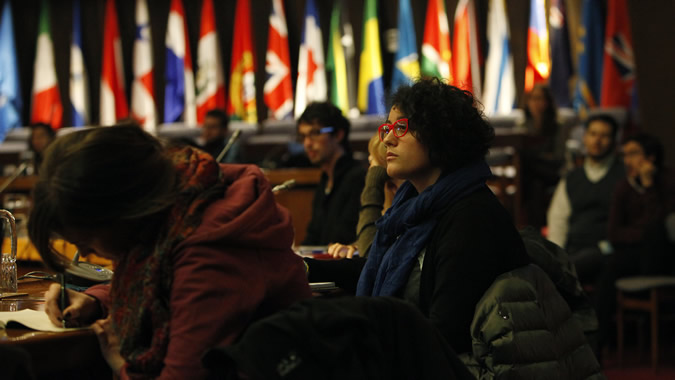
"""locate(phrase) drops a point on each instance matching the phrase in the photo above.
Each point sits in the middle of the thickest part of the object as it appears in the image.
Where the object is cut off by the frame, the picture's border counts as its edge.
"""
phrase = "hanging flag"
(618, 72)
(142, 88)
(10, 93)
(406, 62)
(278, 87)
(499, 95)
(587, 93)
(210, 78)
(242, 105)
(114, 104)
(538, 61)
(79, 85)
(340, 61)
(561, 63)
(371, 87)
(179, 93)
(466, 60)
(436, 45)
(46, 107)
(311, 84)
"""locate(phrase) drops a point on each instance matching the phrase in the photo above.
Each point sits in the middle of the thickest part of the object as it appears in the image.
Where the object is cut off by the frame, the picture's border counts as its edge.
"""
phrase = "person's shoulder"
(478, 205)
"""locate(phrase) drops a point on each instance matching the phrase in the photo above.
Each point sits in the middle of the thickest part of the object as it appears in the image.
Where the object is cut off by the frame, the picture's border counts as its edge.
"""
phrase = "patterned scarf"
(404, 230)
(141, 286)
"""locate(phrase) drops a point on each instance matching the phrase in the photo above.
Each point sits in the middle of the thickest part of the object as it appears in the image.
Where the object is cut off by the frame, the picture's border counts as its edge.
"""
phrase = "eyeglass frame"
(314, 133)
(393, 125)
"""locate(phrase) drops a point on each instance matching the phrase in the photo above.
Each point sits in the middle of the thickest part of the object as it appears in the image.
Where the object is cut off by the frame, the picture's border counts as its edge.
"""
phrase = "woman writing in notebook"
(446, 237)
(200, 250)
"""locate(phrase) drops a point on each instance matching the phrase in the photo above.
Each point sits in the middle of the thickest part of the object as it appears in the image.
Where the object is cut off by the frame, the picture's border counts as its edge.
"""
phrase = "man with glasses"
(324, 134)
(641, 205)
(579, 210)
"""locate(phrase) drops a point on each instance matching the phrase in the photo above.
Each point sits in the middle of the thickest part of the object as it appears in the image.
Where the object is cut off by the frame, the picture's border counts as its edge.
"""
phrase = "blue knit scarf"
(403, 231)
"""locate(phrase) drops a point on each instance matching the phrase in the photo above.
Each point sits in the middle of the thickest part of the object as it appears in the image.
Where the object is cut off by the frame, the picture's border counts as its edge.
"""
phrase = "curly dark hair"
(446, 120)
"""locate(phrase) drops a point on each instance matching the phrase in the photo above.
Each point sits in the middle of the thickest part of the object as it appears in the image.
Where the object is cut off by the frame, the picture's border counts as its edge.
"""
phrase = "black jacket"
(473, 243)
(335, 215)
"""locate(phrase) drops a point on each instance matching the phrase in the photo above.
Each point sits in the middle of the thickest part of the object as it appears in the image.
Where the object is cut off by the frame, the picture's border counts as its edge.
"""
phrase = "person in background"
(376, 198)
(201, 250)
(579, 210)
(215, 135)
(641, 204)
(41, 135)
(446, 237)
(324, 133)
(543, 153)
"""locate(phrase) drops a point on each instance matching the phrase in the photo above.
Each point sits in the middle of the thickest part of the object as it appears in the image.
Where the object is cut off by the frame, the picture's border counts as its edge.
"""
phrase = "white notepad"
(33, 319)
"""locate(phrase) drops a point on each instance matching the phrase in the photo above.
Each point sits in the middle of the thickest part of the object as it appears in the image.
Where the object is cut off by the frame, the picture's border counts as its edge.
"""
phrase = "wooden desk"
(297, 200)
(51, 352)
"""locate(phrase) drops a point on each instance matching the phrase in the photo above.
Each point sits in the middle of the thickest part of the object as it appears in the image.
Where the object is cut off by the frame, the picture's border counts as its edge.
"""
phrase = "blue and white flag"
(10, 94)
(79, 91)
(406, 61)
(499, 95)
(179, 94)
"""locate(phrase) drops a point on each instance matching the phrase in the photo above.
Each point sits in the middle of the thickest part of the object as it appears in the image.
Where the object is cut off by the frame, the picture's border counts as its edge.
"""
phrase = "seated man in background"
(215, 136)
(641, 203)
(41, 135)
(579, 210)
(324, 133)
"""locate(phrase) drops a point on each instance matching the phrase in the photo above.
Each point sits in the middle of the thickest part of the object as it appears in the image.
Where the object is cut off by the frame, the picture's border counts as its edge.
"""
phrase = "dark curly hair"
(446, 120)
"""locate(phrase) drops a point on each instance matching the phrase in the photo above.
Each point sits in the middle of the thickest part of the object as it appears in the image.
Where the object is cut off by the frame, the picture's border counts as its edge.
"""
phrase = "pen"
(63, 299)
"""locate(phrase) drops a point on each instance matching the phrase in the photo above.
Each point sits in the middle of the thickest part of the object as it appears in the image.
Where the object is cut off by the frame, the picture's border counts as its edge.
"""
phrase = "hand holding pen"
(64, 300)
(77, 310)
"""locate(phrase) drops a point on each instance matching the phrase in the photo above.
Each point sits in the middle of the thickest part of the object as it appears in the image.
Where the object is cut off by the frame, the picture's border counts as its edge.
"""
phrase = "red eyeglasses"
(400, 128)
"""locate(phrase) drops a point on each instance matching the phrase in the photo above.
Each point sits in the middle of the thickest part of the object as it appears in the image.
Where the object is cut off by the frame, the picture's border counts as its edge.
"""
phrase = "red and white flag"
(618, 70)
(46, 101)
(278, 87)
(142, 89)
(466, 58)
(210, 78)
(114, 104)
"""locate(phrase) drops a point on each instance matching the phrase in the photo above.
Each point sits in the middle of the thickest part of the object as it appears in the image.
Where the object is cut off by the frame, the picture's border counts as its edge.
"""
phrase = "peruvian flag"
(618, 72)
(210, 78)
(278, 87)
(466, 58)
(179, 93)
(436, 44)
(242, 103)
(47, 106)
(142, 90)
(113, 98)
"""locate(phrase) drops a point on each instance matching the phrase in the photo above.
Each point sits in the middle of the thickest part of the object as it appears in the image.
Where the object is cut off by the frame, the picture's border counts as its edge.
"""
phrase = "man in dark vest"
(579, 211)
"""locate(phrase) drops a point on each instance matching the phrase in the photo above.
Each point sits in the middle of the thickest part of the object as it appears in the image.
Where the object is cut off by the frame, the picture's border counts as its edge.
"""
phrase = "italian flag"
(436, 45)
(46, 102)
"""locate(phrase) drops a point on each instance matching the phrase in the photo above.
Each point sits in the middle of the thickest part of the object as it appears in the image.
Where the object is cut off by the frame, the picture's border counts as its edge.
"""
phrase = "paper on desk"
(33, 319)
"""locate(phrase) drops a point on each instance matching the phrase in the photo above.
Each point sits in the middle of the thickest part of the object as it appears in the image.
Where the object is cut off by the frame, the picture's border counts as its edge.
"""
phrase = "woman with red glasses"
(446, 237)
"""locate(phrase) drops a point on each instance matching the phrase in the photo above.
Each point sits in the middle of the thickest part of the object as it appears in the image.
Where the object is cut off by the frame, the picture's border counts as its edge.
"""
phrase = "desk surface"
(52, 352)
